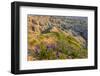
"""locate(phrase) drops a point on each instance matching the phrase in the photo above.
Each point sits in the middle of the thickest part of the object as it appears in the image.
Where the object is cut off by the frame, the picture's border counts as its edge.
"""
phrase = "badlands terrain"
(57, 37)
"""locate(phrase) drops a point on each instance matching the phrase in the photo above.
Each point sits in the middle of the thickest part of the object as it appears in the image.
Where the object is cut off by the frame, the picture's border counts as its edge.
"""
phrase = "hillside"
(57, 37)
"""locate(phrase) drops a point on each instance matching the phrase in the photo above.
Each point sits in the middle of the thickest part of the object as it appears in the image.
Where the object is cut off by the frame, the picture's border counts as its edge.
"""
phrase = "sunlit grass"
(66, 47)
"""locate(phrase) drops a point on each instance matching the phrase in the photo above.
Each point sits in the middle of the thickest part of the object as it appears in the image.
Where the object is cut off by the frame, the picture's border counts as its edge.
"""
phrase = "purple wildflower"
(37, 49)
(37, 46)
(51, 47)
(48, 47)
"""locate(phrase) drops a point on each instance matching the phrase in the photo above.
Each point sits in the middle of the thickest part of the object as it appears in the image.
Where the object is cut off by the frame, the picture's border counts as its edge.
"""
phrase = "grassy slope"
(65, 47)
